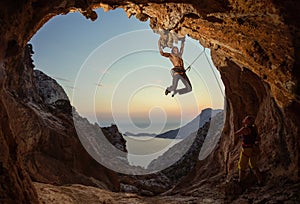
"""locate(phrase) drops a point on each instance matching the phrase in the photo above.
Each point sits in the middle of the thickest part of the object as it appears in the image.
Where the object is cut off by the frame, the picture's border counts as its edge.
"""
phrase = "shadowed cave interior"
(255, 47)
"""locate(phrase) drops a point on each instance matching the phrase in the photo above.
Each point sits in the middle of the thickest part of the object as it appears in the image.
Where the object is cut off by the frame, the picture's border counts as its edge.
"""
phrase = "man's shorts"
(181, 71)
(248, 156)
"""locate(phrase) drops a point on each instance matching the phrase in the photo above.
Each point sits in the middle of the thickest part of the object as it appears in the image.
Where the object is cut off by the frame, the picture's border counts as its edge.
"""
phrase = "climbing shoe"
(167, 92)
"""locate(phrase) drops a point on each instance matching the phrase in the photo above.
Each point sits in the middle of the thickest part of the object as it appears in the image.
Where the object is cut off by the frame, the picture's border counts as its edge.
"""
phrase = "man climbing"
(248, 156)
(178, 71)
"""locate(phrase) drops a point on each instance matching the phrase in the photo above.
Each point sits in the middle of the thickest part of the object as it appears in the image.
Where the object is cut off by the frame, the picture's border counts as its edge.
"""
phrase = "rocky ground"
(276, 192)
(78, 194)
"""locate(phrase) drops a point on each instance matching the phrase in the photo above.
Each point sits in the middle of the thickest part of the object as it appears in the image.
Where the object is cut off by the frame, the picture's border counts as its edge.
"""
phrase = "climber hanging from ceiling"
(178, 71)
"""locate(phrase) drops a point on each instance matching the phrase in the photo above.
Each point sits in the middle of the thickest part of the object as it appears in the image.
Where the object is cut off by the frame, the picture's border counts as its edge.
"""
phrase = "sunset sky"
(113, 73)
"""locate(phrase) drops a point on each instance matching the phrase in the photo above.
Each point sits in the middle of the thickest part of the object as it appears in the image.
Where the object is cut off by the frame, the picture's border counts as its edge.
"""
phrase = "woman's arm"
(242, 131)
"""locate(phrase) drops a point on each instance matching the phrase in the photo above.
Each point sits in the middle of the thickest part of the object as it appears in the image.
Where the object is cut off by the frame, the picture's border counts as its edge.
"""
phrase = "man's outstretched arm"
(182, 47)
(161, 51)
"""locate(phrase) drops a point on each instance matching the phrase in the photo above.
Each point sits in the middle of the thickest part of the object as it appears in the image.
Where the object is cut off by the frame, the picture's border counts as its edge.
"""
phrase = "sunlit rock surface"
(255, 46)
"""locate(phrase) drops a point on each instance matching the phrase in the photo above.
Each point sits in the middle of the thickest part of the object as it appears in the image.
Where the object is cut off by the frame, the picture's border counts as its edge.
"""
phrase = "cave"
(254, 45)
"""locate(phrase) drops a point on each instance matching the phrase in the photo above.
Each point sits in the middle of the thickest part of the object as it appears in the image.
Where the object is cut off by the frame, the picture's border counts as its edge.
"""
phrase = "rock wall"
(44, 142)
(255, 46)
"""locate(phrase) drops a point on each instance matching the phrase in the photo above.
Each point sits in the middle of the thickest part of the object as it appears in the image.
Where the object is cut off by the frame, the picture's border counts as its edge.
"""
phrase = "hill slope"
(192, 126)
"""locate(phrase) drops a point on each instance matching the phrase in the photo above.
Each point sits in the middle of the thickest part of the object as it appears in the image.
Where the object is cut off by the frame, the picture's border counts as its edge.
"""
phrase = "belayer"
(248, 156)
(178, 71)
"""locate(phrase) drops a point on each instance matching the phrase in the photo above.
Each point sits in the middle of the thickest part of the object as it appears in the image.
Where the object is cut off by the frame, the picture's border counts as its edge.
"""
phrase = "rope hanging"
(211, 67)
(168, 39)
(190, 66)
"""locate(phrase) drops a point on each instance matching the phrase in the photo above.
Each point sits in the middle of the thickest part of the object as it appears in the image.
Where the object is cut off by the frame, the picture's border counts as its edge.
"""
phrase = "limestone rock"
(255, 46)
(49, 90)
(47, 139)
(115, 137)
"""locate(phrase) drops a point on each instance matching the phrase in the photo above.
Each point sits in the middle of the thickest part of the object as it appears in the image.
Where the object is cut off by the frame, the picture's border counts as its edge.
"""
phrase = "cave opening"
(103, 66)
(257, 65)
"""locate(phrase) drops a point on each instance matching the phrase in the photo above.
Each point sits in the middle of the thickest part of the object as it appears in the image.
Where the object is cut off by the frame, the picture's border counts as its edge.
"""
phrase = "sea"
(143, 149)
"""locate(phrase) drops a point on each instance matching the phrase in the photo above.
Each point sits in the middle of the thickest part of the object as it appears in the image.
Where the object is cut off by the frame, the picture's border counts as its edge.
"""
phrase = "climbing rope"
(211, 67)
(163, 43)
(190, 66)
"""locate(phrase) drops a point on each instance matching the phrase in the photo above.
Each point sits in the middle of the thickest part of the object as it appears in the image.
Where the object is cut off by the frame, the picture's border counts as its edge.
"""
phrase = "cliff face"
(255, 46)
(56, 154)
(47, 147)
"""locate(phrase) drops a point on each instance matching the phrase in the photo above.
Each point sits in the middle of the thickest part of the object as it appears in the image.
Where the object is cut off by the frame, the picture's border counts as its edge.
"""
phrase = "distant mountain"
(192, 126)
(197, 145)
(139, 134)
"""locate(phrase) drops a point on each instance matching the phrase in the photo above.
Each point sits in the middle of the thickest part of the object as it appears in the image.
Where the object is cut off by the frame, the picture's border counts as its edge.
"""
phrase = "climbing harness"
(182, 72)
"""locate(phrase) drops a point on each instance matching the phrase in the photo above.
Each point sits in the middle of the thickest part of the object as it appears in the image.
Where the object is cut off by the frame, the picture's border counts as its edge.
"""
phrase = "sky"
(112, 72)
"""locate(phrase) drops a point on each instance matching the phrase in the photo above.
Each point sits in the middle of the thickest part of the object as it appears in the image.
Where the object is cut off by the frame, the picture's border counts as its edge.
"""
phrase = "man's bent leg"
(174, 85)
(186, 82)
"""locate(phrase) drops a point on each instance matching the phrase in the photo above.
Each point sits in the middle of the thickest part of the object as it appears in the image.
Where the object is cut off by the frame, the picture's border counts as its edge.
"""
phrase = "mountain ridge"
(192, 126)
